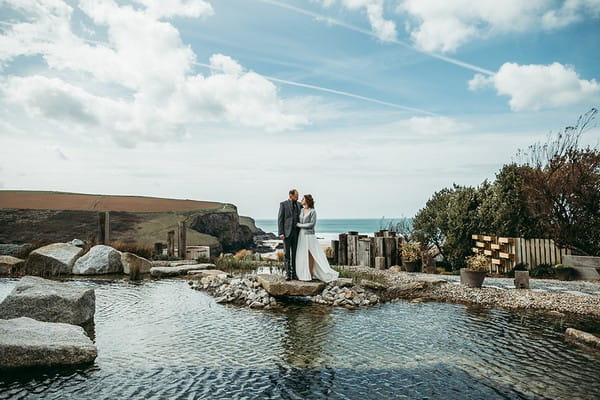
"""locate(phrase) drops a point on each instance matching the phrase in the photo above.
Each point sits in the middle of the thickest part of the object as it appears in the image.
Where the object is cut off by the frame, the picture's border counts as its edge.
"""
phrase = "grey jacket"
(308, 221)
(285, 218)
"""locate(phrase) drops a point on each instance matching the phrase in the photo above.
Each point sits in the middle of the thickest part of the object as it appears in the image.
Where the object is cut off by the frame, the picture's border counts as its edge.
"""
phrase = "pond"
(160, 339)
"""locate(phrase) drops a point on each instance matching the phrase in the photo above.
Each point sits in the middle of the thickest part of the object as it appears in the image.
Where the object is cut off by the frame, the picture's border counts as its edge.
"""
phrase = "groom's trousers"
(290, 245)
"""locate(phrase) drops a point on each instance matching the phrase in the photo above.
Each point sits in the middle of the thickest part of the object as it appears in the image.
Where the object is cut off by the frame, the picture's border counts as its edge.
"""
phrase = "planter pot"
(410, 266)
(471, 278)
(564, 274)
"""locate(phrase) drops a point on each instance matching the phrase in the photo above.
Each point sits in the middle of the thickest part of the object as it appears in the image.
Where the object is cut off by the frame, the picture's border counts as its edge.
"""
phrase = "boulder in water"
(49, 301)
(99, 260)
(51, 260)
(179, 270)
(276, 285)
(25, 342)
(10, 265)
(133, 262)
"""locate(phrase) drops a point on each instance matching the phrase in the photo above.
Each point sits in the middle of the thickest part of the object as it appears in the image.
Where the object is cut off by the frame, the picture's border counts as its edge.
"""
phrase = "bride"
(310, 258)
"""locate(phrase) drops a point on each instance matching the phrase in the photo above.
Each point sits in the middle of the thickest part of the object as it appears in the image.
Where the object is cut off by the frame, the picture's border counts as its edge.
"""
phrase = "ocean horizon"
(329, 228)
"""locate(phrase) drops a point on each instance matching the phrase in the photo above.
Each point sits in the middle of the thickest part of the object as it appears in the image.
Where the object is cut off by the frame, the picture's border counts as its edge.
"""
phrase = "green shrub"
(542, 271)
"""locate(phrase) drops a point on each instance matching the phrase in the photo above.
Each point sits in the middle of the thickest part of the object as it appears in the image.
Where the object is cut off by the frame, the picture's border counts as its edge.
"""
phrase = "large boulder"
(10, 265)
(276, 285)
(25, 342)
(49, 301)
(51, 260)
(159, 272)
(99, 260)
(133, 262)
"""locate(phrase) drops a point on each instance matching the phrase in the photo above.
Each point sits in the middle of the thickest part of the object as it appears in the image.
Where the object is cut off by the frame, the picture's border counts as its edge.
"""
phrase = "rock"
(10, 265)
(583, 338)
(179, 270)
(25, 342)
(99, 260)
(77, 242)
(405, 290)
(49, 301)
(51, 260)
(8, 249)
(372, 285)
(276, 285)
(396, 268)
(201, 273)
(344, 282)
(132, 262)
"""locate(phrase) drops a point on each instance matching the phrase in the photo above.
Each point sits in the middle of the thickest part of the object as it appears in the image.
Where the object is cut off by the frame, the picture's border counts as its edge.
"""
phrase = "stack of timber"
(381, 250)
(506, 252)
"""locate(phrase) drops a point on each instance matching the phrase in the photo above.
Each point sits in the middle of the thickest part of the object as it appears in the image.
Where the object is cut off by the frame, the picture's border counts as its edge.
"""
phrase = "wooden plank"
(503, 240)
(379, 247)
(495, 246)
(475, 250)
(171, 243)
(487, 238)
(487, 252)
(390, 251)
(352, 249)
(479, 244)
(364, 252)
(505, 255)
(335, 250)
(181, 242)
(496, 261)
(475, 237)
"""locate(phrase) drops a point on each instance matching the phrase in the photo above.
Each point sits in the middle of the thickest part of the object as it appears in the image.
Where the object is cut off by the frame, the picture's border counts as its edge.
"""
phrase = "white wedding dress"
(307, 242)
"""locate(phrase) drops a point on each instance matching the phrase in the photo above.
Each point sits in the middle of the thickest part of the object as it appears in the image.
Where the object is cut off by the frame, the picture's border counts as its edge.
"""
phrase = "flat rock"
(51, 260)
(25, 342)
(49, 301)
(202, 273)
(344, 282)
(276, 285)
(99, 260)
(159, 272)
(10, 265)
(372, 284)
(584, 338)
(132, 261)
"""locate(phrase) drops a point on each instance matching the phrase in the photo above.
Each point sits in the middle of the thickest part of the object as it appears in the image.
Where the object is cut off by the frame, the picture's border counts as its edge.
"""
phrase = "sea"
(329, 229)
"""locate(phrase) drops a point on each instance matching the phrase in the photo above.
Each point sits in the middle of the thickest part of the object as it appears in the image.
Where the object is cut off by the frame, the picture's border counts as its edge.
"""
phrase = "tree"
(562, 187)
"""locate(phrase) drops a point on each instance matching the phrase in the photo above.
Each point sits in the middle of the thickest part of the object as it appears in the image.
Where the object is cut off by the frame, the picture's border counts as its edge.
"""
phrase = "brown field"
(89, 202)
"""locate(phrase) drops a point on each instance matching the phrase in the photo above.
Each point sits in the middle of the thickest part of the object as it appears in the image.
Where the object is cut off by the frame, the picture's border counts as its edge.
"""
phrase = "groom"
(288, 217)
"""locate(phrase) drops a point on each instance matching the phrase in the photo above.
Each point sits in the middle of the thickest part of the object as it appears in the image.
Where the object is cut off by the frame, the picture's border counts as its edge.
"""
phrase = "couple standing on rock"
(304, 257)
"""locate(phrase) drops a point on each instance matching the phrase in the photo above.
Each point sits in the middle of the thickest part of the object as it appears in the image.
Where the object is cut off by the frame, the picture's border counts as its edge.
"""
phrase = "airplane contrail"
(334, 21)
(333, 91)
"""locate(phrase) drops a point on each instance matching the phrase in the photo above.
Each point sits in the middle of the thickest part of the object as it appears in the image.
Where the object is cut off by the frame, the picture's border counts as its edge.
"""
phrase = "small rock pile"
(349, 297)
(242, 291)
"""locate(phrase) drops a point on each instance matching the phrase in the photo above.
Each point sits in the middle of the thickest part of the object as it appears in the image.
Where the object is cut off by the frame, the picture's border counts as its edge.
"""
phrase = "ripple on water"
(160, 339)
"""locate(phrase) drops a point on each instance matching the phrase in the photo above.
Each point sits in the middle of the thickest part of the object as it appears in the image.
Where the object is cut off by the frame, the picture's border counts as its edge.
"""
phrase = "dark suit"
(287, 219)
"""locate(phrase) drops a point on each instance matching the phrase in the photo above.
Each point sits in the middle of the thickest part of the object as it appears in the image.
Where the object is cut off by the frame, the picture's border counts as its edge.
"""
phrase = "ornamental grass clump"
(411, 251)
(478, 262)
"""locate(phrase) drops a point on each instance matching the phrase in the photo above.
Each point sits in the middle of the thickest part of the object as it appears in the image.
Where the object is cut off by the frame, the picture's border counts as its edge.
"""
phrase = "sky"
(369, 105)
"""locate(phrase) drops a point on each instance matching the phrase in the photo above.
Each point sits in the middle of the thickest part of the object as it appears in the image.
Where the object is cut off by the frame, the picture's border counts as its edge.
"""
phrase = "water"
(329, 229)
(160, 339)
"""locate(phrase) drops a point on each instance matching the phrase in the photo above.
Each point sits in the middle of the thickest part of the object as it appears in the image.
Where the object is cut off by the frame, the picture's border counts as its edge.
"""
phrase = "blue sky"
(186, 98)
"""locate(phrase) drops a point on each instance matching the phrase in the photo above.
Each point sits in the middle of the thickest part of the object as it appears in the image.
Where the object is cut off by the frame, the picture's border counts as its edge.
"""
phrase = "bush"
(232, 263)
(244, 255)
(280, 256)
(411, 251)
(138, 249)
(542, 271)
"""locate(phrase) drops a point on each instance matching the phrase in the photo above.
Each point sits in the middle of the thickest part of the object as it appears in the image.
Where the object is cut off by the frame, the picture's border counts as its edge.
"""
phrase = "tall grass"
(138, 249)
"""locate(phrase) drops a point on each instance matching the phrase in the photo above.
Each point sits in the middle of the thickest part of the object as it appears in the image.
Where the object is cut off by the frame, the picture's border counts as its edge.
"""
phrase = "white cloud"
(536, 87)
(384, 29)
(447, 25)
(140, 84)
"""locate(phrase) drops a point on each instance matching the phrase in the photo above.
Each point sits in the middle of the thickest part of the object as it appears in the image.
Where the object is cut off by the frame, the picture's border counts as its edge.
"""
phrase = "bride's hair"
(309, 200)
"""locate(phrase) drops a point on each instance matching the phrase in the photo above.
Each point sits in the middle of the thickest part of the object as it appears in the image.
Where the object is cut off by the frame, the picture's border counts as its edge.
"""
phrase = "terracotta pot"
(472, 278)
(410, 266)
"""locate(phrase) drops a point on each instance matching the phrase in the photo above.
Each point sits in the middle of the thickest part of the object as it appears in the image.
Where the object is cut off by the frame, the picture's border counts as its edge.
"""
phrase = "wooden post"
(352, 249)
(107, 227)
(335, 249)
(390, 250)
(181, 245)
(379, 246)
(380, 262)
(158, 248)
(171, 243)
(428, 264)
(364, 252)
(101, 239)
(372, 251)
(343, 249)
